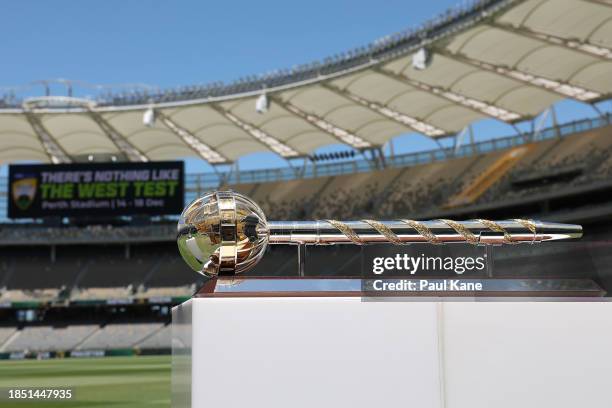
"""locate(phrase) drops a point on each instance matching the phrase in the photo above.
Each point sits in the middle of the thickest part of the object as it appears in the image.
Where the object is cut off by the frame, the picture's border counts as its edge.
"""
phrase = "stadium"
(94, 284)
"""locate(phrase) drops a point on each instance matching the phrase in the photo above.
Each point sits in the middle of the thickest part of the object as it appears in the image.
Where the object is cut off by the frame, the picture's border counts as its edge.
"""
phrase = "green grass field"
(117, 382)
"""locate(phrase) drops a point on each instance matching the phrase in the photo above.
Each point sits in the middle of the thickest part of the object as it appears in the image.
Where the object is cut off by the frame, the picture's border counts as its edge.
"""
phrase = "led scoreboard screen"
(89, 189)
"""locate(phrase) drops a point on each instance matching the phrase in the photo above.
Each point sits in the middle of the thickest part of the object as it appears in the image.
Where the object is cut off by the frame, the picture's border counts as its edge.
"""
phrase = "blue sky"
(168, 44)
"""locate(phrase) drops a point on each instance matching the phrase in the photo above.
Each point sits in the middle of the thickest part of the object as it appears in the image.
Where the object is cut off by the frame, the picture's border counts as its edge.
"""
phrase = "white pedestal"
(321, 352)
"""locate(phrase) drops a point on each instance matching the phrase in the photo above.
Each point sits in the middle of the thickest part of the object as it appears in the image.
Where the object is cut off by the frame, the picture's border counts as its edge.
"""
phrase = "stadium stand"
(107, 265)
(32, 234)
(46, 338)
(479, 184)
(93, 272)
(36, 272)
(424, 188)
(24, 295)
(120, 336)
(85, 337)
(159, 339)
(168, 291)
(115, 292)
(5, 334)
(576, 160)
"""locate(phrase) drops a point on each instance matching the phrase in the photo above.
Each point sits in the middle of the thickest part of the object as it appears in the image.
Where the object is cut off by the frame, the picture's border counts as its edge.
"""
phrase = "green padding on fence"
(120, 352)
(94, 302)
(26, 305)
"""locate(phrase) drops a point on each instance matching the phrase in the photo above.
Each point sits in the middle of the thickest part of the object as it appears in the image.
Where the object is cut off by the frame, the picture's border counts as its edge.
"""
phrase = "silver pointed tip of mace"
(554, 231)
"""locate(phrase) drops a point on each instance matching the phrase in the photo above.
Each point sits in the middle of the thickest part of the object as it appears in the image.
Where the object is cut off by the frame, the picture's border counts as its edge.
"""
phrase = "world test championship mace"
(226, 233)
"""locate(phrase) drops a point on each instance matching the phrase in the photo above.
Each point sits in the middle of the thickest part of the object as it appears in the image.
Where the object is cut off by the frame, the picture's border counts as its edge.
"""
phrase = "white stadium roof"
(501, 59)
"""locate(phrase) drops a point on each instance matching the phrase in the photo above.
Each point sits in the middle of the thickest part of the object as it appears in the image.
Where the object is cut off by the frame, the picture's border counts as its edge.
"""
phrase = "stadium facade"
(86, 287)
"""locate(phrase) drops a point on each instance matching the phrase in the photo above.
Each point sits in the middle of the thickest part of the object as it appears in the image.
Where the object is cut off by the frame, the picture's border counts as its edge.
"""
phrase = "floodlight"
(148, 118)
(262, 104)
(421, 59)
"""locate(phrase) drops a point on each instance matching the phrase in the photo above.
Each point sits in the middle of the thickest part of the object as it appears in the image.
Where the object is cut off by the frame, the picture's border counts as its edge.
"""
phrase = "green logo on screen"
(23, 192)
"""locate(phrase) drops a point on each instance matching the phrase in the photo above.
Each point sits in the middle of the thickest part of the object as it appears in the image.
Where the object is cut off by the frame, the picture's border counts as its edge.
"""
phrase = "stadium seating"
(35, 234)
(85, 337)
(107, 266)
(171, 271)
(5, 334)
(425, 188)
(32, 267)
(119, 336)
(116, 292)
(47, 338)
(159, 339)
(586, 156)
(93, 272)
(19, 295)
(178, 291)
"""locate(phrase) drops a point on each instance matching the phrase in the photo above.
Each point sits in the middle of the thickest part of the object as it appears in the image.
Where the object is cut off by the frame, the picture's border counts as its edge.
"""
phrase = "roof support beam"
(476, 105)
(589, 49)
(271, 142)
(342, 135)
(55, 152)
(443, 149)
(132, 153)
(458, 139)
(202, 149)
(562, 88)
(602, 2)
(401, 118)
(602, 114)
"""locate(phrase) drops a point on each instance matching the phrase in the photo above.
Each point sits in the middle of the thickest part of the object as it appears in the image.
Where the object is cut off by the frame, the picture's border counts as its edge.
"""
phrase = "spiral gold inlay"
(530, 225)
(462, 230)
(423, 230)
(347, 231)
(384, 231)
(495, 227)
